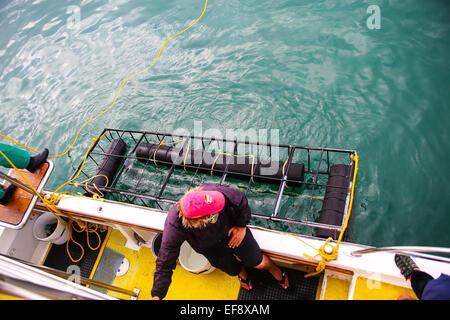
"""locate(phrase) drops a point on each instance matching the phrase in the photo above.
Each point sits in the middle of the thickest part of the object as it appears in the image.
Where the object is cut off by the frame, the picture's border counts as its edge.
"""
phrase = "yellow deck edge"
(99, 256)
(372, 289)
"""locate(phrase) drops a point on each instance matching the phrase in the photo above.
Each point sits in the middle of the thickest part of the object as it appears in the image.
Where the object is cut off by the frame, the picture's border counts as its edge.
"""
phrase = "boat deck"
(330, 284)
(217, 285)
(310, 194)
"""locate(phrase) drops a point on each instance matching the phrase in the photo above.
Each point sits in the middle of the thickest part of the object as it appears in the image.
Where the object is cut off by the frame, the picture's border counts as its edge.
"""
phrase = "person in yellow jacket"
(22, 160)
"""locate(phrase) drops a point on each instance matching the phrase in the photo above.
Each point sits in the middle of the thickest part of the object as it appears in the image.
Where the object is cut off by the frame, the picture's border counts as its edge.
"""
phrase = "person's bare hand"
(237, 235)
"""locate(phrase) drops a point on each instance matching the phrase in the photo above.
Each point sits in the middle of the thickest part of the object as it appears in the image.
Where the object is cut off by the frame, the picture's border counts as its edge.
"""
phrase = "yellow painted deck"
(337, 289)
(220, 286)
(365, 289)
(216, 285)
(370, 289)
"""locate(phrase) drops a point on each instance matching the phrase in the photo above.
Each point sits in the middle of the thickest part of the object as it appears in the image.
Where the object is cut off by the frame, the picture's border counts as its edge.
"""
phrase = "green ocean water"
(313, 70)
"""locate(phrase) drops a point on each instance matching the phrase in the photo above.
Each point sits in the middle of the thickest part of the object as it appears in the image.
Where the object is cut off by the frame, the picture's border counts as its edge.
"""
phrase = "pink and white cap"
(197, 204)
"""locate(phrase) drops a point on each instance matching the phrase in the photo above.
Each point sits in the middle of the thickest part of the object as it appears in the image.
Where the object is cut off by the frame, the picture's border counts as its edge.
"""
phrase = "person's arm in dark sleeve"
(167, 259)
(242, 209)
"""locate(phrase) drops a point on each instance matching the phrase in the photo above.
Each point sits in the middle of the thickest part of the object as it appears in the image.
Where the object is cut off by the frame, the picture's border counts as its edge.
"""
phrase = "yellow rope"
(282, 171)
(84, 227)
(235, 155)
(117, 95)
(51, 208)
(98, 195)
(164, 144)
(51, 201)
(185, 156)
(326, 257)
(287, 234)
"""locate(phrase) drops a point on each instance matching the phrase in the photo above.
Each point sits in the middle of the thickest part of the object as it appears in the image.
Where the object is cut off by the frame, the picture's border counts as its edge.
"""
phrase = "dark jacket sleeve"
(238, 200)
(167, 256)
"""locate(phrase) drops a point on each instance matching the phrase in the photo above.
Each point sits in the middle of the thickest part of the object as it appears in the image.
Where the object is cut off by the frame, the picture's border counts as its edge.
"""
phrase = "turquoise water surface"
(317, 71)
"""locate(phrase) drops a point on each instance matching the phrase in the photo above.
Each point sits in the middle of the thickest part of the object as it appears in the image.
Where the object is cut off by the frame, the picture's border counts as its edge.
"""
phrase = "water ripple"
(312, 70)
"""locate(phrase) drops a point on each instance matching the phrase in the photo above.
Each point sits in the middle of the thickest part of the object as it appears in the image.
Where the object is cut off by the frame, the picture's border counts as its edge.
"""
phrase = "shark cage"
(290, 188)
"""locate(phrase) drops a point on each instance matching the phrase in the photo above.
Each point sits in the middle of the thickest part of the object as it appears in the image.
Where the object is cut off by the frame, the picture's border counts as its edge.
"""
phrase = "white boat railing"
(413, 251)
(27, 282)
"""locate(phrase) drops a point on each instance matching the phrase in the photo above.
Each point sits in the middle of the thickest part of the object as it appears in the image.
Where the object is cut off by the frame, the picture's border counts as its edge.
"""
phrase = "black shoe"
(8, 192)
(405, 264)
(37, 161)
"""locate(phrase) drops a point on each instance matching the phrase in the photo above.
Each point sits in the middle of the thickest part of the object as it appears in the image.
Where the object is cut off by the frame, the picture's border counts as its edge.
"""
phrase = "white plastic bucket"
(42, 225)
(193, 261)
